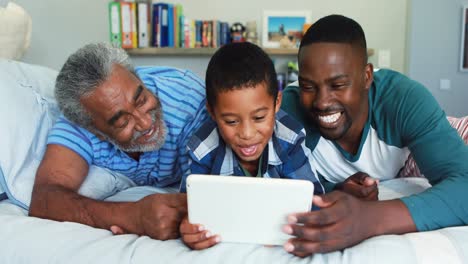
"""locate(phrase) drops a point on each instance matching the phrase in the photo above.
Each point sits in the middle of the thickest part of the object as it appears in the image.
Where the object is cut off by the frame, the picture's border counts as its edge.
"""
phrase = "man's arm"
(440, 154)
(442, 157)
(55, 196)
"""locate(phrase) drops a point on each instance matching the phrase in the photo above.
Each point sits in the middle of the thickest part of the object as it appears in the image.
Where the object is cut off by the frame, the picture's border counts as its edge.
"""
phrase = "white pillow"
(27, 112)
(15, 31)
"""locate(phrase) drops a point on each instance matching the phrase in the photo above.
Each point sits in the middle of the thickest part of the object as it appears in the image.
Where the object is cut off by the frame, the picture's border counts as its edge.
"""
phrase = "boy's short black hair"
(237, 66)
(337, 29)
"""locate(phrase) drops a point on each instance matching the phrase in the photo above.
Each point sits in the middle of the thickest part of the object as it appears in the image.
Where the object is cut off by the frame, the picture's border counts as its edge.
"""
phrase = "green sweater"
(403, 117)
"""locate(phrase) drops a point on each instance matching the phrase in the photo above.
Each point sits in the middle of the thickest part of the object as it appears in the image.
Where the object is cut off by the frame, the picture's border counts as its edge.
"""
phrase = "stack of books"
(143, 24)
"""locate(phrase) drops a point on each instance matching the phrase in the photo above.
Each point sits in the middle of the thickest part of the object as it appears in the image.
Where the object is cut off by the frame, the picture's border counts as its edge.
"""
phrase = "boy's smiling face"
(246, 118)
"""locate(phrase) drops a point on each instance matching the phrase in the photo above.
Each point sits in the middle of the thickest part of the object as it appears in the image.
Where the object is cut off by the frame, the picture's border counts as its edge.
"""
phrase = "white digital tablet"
(246, 209)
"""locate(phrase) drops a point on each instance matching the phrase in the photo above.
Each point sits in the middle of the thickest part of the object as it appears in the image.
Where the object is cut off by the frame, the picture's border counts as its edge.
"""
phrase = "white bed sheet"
(26, 239)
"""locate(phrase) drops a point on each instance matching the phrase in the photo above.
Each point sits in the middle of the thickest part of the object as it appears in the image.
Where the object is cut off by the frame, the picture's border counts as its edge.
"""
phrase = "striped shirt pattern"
(182, 96)
(285, 156)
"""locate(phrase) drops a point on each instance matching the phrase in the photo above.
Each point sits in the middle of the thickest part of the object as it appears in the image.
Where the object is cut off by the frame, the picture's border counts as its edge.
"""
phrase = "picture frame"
(464, 40)
(278, 24)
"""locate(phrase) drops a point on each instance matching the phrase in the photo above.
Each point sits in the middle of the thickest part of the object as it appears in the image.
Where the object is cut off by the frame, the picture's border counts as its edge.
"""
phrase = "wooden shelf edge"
(206, 51)
(171, 51)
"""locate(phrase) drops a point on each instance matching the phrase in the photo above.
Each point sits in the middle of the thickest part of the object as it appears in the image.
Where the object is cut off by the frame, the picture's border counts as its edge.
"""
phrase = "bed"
(27, 111)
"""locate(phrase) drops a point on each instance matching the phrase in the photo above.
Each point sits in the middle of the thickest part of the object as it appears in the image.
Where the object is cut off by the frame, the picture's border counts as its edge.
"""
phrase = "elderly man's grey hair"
(82, 73)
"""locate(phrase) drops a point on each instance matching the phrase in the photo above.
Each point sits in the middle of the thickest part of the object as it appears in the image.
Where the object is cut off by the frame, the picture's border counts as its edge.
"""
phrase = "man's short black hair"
(237, 66)
(336, 29)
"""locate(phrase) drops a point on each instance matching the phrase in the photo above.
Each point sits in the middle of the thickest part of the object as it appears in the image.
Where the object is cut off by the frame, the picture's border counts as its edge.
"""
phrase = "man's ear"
(279, 99)
(369, 75)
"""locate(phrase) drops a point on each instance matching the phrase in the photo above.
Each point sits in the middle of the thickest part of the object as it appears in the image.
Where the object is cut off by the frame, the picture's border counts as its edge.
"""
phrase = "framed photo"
(464, 40)
(281, 26)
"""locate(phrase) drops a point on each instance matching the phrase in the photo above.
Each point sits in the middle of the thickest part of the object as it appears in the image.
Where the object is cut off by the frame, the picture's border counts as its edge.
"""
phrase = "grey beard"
(161, 129)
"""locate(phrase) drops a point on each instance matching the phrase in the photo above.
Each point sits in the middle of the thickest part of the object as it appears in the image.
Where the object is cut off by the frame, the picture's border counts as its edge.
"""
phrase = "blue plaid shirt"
(285, 156)
(182, 96)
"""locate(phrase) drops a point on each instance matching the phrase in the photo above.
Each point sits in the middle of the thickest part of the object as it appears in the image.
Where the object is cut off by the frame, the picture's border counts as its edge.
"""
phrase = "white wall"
(60, 27)
(434, 51)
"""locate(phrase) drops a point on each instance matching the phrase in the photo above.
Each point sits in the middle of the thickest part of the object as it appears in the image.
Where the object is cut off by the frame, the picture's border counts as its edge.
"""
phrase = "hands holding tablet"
(158, 216)
(196, 237)
(340, 223)
(344, 221)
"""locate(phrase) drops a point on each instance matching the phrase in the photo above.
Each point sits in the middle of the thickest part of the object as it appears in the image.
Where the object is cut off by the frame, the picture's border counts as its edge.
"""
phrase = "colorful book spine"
(198, 33)
(178, 21)
(156, 26)
(134, 22)
(193, 34)
(170, 25)
(127, 27)
(143, 25)
(163, 22)
(115, 24)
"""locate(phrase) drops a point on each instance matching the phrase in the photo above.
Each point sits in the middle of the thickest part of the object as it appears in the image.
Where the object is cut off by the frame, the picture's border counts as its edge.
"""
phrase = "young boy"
(248, 135)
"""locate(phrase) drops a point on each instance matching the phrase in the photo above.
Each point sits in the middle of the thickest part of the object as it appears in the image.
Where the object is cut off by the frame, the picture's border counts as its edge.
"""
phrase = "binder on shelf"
(156, 26)
(134, 22)
(143, 25)
(127, 27)
(114, 24)
(162, 20)
(170, 25)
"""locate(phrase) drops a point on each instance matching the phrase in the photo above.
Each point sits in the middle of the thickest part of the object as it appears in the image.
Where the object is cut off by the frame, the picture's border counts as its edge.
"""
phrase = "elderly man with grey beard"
(133, 121)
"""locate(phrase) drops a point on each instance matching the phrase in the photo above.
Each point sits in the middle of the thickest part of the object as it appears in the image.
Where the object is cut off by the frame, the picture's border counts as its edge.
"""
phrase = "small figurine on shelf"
(251, 32)
(237, 32)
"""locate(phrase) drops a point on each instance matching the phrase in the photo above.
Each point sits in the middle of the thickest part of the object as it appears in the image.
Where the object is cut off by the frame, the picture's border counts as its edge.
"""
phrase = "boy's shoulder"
(205, 140)
(287, 128)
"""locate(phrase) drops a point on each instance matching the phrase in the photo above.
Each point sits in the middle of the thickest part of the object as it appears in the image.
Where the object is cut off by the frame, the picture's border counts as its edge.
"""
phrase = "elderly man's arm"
(55, 196)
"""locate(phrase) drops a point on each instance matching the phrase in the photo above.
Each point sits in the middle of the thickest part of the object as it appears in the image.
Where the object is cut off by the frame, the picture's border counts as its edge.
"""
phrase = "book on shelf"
(170, 26)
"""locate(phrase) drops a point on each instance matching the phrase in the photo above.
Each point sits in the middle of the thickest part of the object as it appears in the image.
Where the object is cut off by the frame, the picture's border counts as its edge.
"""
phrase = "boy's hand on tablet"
(196, 237)
(361, 185)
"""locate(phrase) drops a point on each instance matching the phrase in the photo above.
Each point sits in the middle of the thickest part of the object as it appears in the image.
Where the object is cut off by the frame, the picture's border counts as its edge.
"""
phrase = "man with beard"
(133, 121)
(362, 123)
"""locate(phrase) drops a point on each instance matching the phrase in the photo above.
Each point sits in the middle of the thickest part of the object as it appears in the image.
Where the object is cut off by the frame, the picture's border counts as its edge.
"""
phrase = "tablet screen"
(246, 209)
